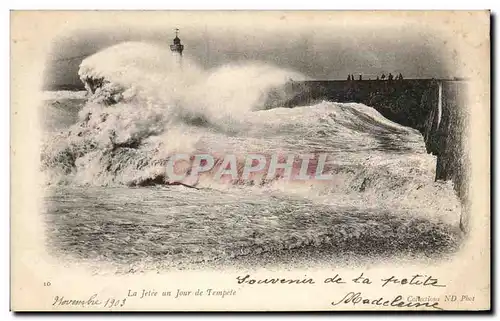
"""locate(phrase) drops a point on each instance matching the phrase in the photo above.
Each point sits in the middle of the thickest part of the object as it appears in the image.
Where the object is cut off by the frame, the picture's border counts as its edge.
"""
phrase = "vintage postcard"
(250, 161)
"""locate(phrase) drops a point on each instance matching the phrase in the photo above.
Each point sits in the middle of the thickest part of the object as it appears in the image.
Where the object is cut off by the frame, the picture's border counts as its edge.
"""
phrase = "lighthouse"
(176, 47)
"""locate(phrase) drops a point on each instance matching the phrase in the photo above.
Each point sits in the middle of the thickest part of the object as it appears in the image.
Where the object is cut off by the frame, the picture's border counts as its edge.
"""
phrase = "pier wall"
(434, 107)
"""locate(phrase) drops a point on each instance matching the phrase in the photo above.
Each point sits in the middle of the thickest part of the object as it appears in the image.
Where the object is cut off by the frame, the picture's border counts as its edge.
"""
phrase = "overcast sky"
(316, 51)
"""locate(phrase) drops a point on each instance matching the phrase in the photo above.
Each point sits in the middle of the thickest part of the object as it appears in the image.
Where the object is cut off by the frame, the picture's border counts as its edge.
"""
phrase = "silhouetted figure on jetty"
(348, 77)
(378, 78)
(383, 77)
(360, 77)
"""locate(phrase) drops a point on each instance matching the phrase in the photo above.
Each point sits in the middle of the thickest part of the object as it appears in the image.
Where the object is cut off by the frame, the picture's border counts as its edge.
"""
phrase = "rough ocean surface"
(108, 199)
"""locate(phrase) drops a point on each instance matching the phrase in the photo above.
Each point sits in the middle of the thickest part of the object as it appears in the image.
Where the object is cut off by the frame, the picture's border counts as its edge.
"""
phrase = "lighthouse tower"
(176, 47)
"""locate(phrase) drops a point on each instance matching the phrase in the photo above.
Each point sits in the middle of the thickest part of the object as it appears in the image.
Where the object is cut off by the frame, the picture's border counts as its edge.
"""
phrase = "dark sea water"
(168, 226)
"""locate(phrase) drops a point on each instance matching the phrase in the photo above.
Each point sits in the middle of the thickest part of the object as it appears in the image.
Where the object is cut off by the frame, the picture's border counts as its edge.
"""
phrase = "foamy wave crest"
(140, 98)
(146, 74)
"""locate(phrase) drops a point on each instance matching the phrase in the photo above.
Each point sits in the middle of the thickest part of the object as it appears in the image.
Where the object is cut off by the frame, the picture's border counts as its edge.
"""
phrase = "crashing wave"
(143, 108)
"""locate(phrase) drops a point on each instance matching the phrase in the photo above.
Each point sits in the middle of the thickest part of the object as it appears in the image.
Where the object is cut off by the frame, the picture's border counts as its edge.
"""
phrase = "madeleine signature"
(356, 298)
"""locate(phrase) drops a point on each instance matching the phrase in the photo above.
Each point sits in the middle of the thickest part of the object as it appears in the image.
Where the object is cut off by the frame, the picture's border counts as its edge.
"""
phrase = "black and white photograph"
(262, 141)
